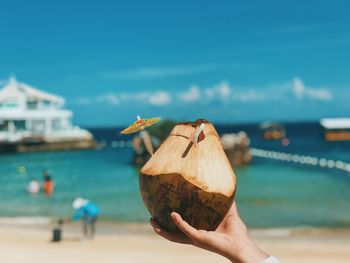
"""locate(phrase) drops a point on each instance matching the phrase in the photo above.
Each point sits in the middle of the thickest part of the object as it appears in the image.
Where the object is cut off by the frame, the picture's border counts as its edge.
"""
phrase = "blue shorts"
(90, 220)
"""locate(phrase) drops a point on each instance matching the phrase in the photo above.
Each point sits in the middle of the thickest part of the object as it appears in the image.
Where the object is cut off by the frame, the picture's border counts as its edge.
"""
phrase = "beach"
(138, 243)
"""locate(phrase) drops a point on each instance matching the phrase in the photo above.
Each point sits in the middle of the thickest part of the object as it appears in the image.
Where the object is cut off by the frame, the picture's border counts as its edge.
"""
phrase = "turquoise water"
(275, 194)
(269, 193)
(104, 177)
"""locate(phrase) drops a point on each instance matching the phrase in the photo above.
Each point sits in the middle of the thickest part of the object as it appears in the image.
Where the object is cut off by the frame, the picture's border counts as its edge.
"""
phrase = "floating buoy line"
(114, 144)
(301, 159)
(274, 155)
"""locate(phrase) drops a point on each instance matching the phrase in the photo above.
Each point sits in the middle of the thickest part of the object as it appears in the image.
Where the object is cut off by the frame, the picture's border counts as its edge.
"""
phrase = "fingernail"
(175, 216)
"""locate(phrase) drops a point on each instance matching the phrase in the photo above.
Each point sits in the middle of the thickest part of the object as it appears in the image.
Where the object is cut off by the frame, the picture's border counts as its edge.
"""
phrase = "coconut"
(191, 175)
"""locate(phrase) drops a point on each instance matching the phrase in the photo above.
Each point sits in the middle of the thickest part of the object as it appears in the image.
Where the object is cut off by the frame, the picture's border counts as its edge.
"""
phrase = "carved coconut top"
(204, 164)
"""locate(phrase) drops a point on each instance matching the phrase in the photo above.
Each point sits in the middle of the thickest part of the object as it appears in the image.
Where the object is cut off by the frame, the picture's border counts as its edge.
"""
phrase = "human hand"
(230, 239)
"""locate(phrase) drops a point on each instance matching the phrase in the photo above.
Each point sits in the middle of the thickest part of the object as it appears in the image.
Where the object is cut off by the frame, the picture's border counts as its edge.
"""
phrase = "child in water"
(33, 187)
(48, 184)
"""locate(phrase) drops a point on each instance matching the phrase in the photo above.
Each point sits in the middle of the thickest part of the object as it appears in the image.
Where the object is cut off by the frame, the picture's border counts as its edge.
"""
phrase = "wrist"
(248, 252)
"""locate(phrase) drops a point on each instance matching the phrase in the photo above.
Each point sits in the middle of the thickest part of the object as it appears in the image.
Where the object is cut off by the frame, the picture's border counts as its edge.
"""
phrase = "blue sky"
(227, 61)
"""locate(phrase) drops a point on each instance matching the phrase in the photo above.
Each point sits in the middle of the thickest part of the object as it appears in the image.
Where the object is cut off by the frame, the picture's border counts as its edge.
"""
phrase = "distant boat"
(336, 129)
(272, 130)
(33, 120)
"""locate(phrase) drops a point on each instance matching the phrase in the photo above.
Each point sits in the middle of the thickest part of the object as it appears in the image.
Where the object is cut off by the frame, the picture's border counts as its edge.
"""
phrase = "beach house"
(30, 117)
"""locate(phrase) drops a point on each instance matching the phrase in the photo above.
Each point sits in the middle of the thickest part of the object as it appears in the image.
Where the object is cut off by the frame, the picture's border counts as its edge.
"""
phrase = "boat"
(272, 130)
(34, 120)
(336, 129)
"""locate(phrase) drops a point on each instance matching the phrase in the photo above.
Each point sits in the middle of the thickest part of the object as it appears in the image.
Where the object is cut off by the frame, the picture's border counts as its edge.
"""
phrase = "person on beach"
(48, 185)
(230, 239)
(88, 212)
(33, 187)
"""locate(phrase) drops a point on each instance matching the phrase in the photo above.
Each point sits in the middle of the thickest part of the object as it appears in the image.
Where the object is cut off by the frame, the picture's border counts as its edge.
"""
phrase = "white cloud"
(224, 89)
(222, 93)
(225, 93)
(84, 101)
(133, 97)
(154, 72)
(321, 94)
(249, 96)
(193, 94)
(300, 91)
(298, 88)
(159, 98)
(109, 98)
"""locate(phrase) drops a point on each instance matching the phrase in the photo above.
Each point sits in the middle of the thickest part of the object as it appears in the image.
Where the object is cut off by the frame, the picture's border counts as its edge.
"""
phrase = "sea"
(270, 193)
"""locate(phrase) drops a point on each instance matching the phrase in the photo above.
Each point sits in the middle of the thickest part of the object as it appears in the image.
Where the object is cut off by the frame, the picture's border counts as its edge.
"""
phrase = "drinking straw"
(197, 133)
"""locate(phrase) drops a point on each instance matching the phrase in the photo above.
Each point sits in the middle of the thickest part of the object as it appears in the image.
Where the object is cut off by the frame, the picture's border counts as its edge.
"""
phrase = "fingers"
(174, 237)
(191, 232)
(232, 223)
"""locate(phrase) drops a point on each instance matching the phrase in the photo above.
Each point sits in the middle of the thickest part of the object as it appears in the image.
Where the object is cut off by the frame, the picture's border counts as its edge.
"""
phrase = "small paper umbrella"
(139, 125)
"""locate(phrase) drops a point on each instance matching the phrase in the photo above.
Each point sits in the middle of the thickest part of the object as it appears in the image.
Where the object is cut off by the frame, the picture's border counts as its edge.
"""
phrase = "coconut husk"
(189, 175)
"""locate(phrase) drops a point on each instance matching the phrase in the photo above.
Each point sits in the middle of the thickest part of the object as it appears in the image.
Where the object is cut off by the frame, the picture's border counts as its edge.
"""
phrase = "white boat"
(28, 115)
(336, 129)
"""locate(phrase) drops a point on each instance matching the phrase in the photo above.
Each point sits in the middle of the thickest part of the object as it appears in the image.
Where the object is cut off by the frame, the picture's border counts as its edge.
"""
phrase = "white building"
(27, 113)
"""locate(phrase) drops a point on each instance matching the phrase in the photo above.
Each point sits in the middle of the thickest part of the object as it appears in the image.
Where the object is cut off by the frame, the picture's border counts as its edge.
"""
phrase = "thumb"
(198, 236)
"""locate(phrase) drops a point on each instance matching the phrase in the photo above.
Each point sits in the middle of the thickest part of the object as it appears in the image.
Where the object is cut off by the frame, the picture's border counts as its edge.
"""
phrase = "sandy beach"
(138, 243)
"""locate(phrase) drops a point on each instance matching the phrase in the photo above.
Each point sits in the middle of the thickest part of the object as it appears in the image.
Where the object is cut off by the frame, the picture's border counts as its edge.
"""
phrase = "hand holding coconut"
(190, 175)
(230, 239)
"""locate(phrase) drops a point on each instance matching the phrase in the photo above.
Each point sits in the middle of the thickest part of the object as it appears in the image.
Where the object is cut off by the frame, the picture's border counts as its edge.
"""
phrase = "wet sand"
(138, 243)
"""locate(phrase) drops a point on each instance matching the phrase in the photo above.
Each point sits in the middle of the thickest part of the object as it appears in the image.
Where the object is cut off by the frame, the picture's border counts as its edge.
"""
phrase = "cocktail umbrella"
(139, 126)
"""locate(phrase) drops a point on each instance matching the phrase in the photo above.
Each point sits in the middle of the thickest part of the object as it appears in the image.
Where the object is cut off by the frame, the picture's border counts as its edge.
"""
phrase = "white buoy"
(308, 160)
(348, 167)
(122, 144)
(274, 155)
(344, 167)
(314, 161)
(289, 157)
(322, 162)
(330, 164)
(339, 164)
(303, 159)
(295, 158)
(283, 156)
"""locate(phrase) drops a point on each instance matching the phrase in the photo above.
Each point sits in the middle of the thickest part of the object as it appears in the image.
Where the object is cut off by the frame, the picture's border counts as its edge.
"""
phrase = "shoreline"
(129, 242)
(110, 227)
(40, 221)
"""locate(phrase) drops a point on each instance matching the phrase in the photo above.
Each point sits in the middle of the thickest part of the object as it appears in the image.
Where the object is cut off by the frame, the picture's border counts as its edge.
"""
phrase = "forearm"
(247, 252)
